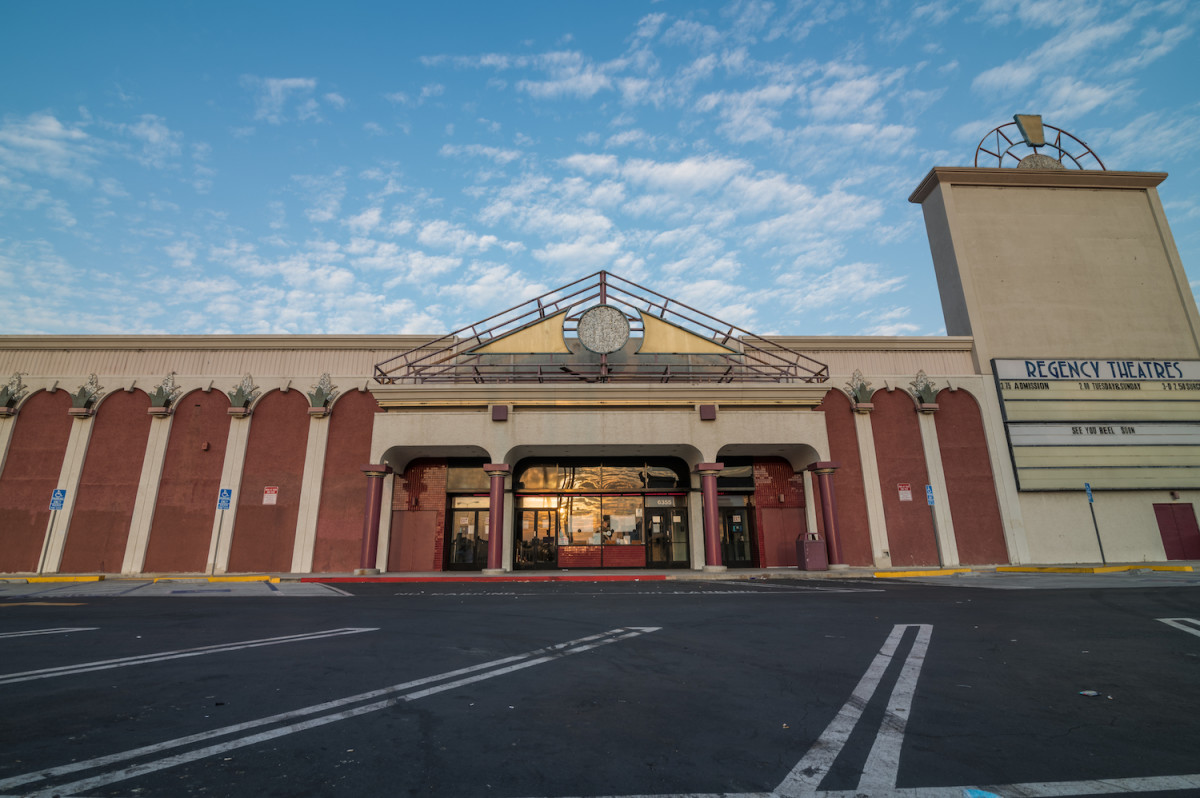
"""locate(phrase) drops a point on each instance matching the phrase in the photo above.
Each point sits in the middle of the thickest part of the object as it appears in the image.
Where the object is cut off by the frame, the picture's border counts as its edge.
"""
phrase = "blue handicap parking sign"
(224, 498)
(57, 498)
(929, 494)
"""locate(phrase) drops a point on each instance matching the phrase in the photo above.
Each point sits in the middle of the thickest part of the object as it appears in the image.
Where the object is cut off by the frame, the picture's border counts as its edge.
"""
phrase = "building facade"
(604, 425)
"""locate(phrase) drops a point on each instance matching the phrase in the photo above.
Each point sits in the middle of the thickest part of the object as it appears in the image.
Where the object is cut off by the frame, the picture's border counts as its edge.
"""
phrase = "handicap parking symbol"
(57, 498)
(224, 498)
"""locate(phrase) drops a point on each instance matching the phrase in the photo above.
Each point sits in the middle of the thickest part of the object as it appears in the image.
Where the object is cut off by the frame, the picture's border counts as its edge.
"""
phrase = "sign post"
(224, 495)
(1087, 486)
(933, 517)
(57, 497)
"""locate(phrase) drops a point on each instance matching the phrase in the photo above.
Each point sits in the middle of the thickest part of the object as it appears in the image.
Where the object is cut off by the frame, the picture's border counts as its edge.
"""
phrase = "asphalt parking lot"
(780, 687)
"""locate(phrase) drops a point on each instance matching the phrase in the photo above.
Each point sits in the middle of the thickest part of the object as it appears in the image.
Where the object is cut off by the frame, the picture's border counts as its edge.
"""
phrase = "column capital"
(824, 467)
(376, 469)
(709, 468)
(496, 469)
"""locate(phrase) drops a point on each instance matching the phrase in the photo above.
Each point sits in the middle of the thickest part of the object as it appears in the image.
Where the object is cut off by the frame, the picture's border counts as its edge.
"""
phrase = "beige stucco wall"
(1061, 530)
(677, 431)
(1058, 264)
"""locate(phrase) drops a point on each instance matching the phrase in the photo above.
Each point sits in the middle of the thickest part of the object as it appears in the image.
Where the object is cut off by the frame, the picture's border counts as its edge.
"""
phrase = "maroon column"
(497, 472)
(824, 473)
(712, 532)
(370, 541)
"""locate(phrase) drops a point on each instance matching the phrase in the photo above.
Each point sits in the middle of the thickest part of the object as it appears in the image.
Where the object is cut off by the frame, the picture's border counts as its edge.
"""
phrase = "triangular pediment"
(539, 337)
(601, 328)
(664, 338)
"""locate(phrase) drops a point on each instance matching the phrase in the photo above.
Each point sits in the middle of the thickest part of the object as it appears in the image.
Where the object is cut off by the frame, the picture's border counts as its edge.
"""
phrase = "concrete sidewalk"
(1022, 573)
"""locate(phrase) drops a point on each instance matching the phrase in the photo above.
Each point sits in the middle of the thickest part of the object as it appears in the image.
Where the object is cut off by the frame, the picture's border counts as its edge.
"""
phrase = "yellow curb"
(1063, 569)
(32, 579)
(1097, 569)
(275, 579)
(937, 572)
(254, 578)
(43, 604)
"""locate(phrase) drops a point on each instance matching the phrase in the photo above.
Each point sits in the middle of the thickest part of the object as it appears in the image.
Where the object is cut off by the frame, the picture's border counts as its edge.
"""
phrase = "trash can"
(810, 553)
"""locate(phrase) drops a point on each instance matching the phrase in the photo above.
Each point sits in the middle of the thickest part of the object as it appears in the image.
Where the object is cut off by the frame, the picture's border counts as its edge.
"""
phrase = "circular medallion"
(603, 329)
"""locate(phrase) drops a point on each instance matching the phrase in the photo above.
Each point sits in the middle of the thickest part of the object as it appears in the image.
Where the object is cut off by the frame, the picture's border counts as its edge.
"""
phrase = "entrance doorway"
(737, 535)
(467, 536)
(537, 544)
(666, 533)
(615, 513)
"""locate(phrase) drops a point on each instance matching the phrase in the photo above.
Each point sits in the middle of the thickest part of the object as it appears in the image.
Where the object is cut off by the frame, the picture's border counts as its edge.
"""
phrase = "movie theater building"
(605, 425)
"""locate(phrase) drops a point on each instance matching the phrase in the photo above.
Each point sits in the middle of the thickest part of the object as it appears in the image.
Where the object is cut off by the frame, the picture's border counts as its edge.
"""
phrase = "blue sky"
(406, 167)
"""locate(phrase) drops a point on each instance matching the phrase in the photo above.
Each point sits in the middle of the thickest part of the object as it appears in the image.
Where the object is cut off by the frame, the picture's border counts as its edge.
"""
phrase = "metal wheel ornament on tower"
(1006, 144)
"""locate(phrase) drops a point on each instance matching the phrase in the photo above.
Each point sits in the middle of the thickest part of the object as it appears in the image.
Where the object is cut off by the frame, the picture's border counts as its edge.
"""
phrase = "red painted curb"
(547, 578)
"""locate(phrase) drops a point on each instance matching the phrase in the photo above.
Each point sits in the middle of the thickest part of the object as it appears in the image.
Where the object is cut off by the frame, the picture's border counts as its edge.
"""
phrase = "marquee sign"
(1114, 423)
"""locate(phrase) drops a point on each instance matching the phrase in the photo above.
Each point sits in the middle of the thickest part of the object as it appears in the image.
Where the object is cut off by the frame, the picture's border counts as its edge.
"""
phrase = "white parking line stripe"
(85, 667)
(546, 654)
(63, 630)
(812, 767)
(1181, 625)
(883, 763)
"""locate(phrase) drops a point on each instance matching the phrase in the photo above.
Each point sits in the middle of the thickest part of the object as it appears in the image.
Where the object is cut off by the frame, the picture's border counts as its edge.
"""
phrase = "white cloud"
(592, 163)
(496, 154)
(854, 282)
(159, 143)
(1152, 46)
(41, 144)
(570, 75)
(1077, 41)
(689, 176)
(273, 94)
(365, 222)
(491, 285)
(581, 255)
(325, 194)
(444, 235)
(181, 253)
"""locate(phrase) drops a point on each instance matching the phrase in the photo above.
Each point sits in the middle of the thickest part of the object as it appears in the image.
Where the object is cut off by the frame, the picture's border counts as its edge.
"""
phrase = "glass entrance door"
(666, 537)
(736, 534)
(537, 546)
(467, 542)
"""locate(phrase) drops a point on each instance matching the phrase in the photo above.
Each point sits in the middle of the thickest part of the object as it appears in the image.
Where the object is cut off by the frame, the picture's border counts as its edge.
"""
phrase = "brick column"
(824, 472)
(496, 472)
(370, 541)
(712, 530)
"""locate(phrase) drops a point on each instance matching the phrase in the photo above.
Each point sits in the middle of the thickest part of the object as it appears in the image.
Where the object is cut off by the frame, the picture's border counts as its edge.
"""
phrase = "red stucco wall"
(974, 508)
(420, 489)
(775, 532)
(31, 471)
(108, 485)
(343, 486)
(902, 460)
(264, 535)
(187, 493)
(847, 481)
